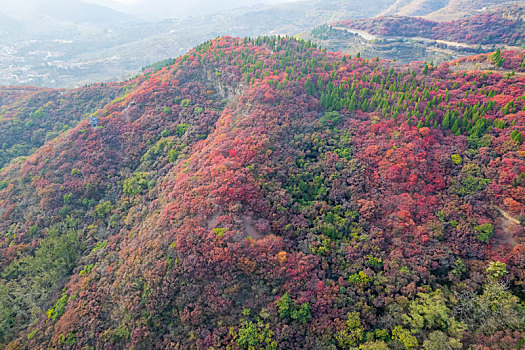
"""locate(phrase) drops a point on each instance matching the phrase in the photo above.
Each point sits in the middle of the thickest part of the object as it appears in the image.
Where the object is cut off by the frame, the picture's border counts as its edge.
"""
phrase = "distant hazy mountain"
(442, 10)
(160, 9)
(45, 14)
(10, 26)
(55, 19)
(187, 8)
(79, 12)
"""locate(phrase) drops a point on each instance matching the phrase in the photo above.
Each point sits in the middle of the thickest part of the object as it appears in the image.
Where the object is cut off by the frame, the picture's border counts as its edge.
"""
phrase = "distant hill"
(493, 28)
(407, 39)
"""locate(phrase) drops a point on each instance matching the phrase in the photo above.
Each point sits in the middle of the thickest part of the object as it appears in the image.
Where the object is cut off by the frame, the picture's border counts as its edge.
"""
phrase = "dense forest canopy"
(263, 194)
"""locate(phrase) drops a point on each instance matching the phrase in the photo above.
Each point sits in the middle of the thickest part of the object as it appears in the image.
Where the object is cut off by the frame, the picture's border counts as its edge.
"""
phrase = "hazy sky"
(112, 2)
(167, 8)
(175, 8)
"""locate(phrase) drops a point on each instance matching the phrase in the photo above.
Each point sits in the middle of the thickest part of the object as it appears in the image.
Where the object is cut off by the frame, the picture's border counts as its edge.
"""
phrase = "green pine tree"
(455, 128)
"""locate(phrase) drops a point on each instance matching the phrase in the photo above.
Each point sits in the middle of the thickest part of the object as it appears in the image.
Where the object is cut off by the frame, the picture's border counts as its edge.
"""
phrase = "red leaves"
(7, 213)
(424, 131)
(260, 198)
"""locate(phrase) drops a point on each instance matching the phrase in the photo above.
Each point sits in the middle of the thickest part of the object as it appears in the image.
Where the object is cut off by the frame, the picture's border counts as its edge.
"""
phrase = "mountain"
(84, 43)
(262, 193)
(408, 39)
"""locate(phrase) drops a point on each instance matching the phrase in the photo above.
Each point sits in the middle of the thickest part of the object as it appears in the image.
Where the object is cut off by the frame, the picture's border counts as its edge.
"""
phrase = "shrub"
(103, 209)
(255, 336)
(67, 198)
(359, 278)
(34, 230)
(497, 270)
(331, 119)
(99, 245)
(496, 58)
(353, 334)
(485, 232)
(219, 232)
(405, 337)
(456, 159)
(283, 305)
(173, 154)
(135, 184)
(58, 309)
(86, 270)
(181, 129)
(287, 308)
(167, 110)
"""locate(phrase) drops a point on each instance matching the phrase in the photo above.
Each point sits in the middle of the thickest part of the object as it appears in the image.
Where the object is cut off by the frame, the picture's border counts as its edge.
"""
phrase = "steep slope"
(505, 62)
(266, 194)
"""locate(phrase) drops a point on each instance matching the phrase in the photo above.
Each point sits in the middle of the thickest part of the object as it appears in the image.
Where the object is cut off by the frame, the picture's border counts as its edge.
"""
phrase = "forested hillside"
(265, 194)
(488, 28)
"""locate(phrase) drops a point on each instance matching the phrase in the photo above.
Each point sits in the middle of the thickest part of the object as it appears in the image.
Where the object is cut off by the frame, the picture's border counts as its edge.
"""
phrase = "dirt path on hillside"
(508, 230)
(365, 35)
(368, 36)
